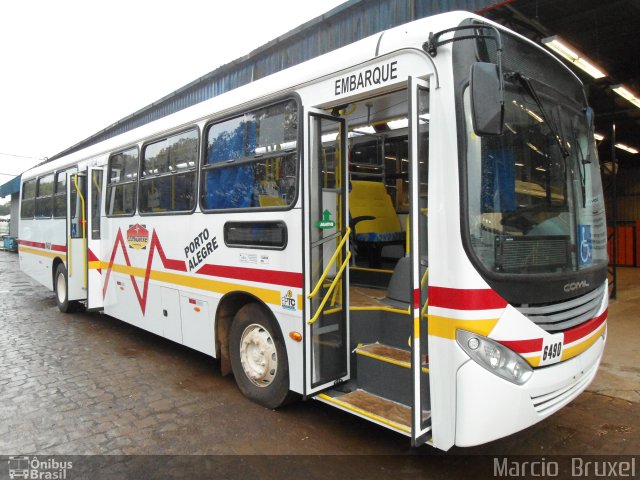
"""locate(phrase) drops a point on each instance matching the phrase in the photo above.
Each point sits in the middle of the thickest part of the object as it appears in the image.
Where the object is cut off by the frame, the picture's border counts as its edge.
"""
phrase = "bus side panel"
(158, 277)
(41, 242)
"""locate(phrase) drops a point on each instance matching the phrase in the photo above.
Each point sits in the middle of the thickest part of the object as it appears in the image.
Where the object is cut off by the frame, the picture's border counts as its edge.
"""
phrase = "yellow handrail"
(84, 228)
(422, 283)
(328, 294)
(331, 262)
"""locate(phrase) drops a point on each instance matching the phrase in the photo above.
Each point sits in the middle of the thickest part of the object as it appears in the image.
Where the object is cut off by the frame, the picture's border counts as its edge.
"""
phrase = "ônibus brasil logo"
(34, 468)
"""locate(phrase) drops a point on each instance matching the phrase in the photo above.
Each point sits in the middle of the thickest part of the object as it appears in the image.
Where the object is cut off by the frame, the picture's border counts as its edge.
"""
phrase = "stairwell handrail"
(331, 262)
(331, 287)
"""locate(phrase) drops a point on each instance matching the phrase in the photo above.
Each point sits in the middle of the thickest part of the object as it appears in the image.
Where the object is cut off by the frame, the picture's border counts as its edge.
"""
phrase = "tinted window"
(44, 200)
(60, 195)
(251, 160)
(28, 206)
(168, 178)
(255, 234)
(121, 186)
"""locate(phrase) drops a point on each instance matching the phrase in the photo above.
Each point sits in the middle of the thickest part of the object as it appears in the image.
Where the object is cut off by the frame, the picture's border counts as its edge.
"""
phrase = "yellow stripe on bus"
(533, 361)
(581, 347)
(42, 253)
(266, 295)
(446, 327)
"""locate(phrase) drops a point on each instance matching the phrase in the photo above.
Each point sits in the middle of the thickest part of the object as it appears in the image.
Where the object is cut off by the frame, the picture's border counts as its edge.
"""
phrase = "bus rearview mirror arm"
(487, 83)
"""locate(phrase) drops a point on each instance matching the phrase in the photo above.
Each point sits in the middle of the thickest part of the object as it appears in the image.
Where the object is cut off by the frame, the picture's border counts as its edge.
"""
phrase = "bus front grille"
(553, 400)
(561, 316)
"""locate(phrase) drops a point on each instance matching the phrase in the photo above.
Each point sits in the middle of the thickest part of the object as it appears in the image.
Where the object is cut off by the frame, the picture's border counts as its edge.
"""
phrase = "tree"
(5, 209)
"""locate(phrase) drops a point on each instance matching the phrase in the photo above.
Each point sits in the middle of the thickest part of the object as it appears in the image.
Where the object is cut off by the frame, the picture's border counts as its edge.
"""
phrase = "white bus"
(410, 228)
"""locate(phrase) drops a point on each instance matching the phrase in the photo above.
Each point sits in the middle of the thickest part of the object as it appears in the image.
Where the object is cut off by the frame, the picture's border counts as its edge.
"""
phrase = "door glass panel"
(327, 227)
(96, 197)
(423, 211)
(78, 220)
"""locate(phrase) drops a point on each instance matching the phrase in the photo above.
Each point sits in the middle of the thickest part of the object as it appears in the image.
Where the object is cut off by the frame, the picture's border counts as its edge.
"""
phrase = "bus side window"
(60, 195)
(44, 199)
(28, 206)
(251, 160)
(168, 178)
(121, 183)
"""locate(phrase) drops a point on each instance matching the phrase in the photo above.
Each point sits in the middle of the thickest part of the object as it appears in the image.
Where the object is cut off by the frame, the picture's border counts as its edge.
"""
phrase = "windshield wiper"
(526, 84)
(582, 169)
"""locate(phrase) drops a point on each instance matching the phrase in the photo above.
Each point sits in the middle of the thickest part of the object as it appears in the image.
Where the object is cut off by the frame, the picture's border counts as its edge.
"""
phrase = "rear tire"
(61, 289)
(259, 357)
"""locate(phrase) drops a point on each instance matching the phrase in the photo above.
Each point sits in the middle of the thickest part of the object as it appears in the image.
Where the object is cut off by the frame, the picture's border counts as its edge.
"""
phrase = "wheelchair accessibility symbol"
(584, 242)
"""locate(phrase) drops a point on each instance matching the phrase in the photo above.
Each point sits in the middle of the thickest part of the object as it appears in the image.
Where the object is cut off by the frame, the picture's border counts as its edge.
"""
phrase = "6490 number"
(552, 351)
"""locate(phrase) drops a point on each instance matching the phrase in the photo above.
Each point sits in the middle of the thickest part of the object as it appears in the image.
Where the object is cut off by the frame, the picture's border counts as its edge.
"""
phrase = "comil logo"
(573, 286)
(288, 301)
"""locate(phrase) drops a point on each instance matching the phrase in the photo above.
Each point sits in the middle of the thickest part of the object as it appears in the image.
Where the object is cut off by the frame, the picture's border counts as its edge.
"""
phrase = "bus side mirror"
(487, 105)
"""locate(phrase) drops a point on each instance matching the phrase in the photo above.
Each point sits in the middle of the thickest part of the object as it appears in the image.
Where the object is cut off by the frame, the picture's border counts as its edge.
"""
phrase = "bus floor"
(366, 297)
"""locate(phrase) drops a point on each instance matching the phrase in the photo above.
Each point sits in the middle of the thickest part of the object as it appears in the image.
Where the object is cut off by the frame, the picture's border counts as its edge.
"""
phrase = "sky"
(70, 68)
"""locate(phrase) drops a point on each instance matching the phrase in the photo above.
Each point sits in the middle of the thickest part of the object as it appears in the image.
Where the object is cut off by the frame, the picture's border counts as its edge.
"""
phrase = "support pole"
(614, 214)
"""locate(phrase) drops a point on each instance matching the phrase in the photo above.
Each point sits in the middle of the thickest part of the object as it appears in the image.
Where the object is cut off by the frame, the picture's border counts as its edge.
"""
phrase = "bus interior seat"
(374, 220)
(270, 201)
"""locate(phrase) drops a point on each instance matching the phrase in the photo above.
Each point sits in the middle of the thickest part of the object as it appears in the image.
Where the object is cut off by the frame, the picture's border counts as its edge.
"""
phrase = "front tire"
(259, 357)
(61, 289)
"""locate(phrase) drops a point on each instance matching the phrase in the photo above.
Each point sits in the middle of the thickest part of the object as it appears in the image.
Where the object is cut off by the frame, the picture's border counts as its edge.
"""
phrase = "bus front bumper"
(488, 407)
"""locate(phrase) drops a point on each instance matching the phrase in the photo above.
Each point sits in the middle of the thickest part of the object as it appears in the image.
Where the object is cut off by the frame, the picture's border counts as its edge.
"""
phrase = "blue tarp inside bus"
(498, 181)
(233, 186)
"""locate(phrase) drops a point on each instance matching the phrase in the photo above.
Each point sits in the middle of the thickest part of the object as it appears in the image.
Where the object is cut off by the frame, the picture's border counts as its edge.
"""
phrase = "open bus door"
(76, 236)
(418, 151)
(94, 209)
(326, 329)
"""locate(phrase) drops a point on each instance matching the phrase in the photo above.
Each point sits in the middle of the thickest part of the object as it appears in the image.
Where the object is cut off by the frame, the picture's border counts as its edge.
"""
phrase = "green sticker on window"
(326, 221)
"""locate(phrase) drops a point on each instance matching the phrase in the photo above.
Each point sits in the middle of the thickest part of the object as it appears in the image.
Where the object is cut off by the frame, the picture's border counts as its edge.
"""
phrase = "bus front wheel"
(259, 357)
(61, 289)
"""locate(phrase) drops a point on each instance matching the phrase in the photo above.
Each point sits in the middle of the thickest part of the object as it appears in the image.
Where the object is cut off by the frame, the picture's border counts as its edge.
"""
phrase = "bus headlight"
(495, 357)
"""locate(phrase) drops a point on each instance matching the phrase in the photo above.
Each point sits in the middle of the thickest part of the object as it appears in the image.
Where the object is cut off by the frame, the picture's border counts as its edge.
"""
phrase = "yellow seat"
(374, 220)
(270, 201)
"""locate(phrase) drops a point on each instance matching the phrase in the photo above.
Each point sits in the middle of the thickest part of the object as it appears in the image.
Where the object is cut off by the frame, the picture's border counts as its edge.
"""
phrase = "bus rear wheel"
(61, 289)
(259, 357)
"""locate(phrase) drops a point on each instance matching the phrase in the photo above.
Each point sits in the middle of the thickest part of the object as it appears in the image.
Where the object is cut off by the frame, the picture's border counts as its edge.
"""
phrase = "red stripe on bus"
(92, 256)
(273, 277)
(416, 298)
(465, 299)
(523, 346)
(585, 329)
(28, 243)
(56, 248)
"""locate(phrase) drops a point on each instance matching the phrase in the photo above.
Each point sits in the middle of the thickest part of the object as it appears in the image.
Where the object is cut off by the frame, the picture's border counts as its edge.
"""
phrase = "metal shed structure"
(345, 24)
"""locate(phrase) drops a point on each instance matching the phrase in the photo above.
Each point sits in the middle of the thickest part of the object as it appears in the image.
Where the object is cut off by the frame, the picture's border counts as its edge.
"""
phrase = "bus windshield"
(534, 193)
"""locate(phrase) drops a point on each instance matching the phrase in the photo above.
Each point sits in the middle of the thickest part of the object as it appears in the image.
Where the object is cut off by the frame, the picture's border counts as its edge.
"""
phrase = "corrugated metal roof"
(345, 24)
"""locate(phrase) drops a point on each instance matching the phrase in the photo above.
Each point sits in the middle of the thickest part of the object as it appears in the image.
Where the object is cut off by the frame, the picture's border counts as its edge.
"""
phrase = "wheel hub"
(61, 288)
(258, 355)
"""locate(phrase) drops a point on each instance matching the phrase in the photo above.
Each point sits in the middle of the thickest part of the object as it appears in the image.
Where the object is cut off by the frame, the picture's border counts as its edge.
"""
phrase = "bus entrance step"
(382, 411)
(386, 371)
